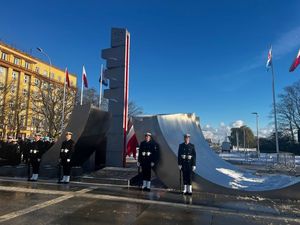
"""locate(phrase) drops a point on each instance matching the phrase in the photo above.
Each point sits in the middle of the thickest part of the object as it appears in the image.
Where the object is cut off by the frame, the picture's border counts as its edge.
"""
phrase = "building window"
(27, 65)
(45, 73)
(25, 92)
(17, 61)
(35, 95)
(52, 76)
(13, 89)
(45, 85)
(37, 69)
(23, 106)
(26, 79)
(59, 79)
(23, 121)
(11, 104)
(15, 75)
(36, 82)
(4, 56)
(3, 72)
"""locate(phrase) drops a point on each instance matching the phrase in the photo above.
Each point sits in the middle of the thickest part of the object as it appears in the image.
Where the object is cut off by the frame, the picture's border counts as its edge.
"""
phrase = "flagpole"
(275, 113)
(101, 80)
(63, 109)
(81, 97)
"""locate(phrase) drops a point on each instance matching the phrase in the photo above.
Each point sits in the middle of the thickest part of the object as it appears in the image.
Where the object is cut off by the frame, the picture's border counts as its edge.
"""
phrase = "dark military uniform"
(35, 153)
(23, 149)
(11, 153)
(187, 159)
(147, 154)
(14, 155)
(67, 149)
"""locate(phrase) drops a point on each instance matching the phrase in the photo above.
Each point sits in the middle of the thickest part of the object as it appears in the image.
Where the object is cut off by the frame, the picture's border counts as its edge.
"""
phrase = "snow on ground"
(251, 157)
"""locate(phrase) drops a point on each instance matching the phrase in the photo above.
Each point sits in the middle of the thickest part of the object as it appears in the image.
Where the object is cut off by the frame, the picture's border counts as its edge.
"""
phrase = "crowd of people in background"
(14, 151)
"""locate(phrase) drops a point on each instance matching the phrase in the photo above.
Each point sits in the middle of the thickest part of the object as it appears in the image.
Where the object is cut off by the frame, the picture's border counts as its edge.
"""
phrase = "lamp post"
(50, 63)
(49, 79)
(256, 115)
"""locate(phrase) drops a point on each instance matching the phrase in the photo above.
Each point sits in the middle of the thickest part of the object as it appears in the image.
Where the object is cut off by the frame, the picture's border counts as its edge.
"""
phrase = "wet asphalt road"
(46, 202)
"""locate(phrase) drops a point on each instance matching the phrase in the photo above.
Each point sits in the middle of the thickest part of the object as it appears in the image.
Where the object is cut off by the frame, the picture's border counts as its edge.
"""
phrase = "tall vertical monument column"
(117, 71)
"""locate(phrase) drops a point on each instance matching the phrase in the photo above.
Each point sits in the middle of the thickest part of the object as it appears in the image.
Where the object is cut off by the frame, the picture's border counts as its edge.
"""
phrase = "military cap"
(187, 135)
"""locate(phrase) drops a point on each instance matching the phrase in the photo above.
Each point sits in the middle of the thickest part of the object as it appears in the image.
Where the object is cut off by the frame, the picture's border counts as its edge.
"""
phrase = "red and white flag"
(296, 62)
(131, 142)
(84, 78)
(67, 78)
(269, 61)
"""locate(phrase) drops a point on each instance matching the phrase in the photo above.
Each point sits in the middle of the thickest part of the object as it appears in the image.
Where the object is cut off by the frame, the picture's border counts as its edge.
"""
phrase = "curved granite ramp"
(213, 174)
(89, 126)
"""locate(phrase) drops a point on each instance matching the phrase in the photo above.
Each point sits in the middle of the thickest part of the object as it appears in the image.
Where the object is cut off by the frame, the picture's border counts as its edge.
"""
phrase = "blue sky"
(206, 57)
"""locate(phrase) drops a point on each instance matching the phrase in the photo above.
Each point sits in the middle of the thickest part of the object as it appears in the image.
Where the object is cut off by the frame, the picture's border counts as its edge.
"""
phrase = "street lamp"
(256, 115)
(49, 78)
(50, 63)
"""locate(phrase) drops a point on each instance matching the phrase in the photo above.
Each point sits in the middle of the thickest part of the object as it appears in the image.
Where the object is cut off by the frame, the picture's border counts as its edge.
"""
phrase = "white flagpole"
(101, 80)
(63, 109)
(81, 97)
(275, 113)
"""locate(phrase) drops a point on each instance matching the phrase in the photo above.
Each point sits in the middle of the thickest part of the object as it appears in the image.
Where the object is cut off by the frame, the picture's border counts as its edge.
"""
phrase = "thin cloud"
(220, 133)
(284, 44)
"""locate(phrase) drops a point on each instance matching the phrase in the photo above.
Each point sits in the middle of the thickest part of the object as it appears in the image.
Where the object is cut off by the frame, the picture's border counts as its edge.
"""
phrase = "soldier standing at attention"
(187, 163)
(67, 149)
(36, 151)
(146, 159)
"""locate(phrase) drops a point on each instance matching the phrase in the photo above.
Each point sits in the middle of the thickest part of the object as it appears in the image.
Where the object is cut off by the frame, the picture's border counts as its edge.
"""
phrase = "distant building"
(20, 76)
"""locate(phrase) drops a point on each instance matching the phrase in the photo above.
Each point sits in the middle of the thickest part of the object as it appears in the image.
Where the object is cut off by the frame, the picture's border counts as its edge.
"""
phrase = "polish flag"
(296, 62)
(131, 142)
(84, 77)
(67, 78)
(269, 60)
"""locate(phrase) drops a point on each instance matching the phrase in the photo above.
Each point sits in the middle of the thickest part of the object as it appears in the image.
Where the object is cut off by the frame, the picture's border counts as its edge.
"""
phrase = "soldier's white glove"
(68, 160)
(152, 164)
(180, 167)
(138, 164)
(38, 160)
(194, 168)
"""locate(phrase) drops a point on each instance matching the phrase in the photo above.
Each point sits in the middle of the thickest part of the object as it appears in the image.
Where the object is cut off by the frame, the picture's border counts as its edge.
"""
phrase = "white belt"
(146, 153)
(64, 150)
(33, 151)
(187, 157)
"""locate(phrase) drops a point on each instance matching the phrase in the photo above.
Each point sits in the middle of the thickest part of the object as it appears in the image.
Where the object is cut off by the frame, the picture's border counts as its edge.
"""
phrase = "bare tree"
(7, 98)
(134, 109)
(17, 115)
(90, 96)
(47, 107)
(289, 110)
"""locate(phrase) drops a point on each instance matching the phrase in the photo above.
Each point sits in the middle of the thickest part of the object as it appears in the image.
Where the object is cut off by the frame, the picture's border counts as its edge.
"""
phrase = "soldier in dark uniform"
(47, 143)
(148, 152)
(187, 163)
(15, 153)
(67, 149)
(11, 152)
(5, 148)
(36, 151)
(22, 145)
